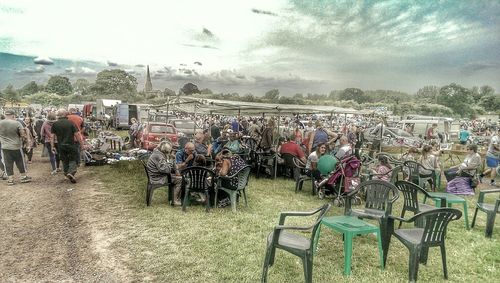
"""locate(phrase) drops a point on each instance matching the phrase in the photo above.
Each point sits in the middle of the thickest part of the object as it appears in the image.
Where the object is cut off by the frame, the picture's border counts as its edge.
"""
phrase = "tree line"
(448, 100)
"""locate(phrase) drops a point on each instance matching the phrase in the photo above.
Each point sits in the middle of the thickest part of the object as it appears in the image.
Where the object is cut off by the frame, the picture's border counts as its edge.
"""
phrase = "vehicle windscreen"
(162, 129)
(401, 133)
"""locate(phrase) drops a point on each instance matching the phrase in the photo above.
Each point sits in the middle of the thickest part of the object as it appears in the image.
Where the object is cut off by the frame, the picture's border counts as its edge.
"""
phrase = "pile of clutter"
(97, 152)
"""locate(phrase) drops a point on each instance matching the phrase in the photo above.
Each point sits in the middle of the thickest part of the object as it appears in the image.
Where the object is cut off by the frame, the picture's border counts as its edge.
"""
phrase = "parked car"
(155, 132)
(187, 127)
(395, 137)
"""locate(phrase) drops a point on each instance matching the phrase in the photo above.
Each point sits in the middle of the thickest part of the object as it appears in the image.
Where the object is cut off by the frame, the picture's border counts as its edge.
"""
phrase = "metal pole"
(276, 152)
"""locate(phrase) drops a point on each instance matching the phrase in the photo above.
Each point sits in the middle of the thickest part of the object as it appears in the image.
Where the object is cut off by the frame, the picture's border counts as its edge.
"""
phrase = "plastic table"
(351, 226)
(450, 199)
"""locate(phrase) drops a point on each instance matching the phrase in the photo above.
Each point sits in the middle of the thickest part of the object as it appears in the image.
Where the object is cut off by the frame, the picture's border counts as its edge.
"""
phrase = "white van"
(419, 127)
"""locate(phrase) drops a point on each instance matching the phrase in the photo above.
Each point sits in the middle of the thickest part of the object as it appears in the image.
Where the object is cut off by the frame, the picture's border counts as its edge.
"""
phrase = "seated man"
(183, 159)
(199, 144)
(291, 147)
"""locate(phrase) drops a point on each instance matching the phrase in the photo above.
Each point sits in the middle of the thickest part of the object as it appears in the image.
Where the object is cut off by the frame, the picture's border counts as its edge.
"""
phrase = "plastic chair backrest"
(436, 221)
(413, 170)
(288, 158)
(145, 169)
(378, 195)
(197, 178)
(410, 195)
(242, 176)
(323, 210)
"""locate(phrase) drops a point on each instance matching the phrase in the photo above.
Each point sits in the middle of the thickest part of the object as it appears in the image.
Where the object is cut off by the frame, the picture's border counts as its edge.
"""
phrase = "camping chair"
(197, 179)
(298, 245)
(410, 193)
(419, 240)
(414, 176)
(380, 196)
(490, 209)
(151, 187)
(242, 177)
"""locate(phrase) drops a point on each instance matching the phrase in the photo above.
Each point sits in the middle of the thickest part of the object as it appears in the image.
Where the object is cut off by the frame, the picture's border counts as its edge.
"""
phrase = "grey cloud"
(112, 64)
(257, 11)
(207, 32)
(474, 67)
(37, 70)
(82, 71)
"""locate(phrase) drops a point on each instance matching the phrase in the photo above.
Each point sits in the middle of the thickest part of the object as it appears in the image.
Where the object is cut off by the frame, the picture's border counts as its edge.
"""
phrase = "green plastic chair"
(298, 245)
(410, 193)
(419, 240)
(197, 179)
(414, 168)
(490, 209)
(242, 182)
(380, 196)
(151, 187)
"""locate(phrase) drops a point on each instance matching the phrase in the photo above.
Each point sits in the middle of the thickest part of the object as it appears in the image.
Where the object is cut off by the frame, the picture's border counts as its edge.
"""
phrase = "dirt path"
(52, 230)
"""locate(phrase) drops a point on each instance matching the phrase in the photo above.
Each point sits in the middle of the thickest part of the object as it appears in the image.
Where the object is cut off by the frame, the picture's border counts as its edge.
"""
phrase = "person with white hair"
(345, 148)
(68, 140)
(161, 163)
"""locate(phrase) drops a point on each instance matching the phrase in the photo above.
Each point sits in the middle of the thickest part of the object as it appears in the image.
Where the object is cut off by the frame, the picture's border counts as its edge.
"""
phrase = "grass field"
(162, 243)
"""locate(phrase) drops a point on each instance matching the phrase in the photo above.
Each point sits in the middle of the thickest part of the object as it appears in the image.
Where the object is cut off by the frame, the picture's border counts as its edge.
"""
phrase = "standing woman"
(31, 138)
(46, 136)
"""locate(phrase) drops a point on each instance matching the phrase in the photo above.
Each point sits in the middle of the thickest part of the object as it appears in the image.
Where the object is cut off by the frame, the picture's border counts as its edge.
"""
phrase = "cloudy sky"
(253, 46)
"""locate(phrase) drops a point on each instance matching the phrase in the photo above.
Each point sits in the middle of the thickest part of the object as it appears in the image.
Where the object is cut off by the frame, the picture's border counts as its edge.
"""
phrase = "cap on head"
(9, 113)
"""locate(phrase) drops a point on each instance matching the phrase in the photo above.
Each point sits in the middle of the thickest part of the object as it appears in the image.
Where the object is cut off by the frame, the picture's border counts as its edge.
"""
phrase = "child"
(383, 169)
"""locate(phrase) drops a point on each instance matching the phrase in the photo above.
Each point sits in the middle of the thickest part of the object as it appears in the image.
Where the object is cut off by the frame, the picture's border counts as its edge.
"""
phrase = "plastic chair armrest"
(298, 228)
(393, 217)
(497, 205)
(285, 214)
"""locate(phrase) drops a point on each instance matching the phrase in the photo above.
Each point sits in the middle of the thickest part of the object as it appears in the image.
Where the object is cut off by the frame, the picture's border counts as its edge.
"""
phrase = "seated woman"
(383, 169)
(312, 161)
(233, 144)
(431, 165)
(227, 164)
(460, 177)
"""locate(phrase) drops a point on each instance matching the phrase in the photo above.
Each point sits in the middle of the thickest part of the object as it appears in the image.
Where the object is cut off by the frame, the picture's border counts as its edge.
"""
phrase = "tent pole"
(276, 152)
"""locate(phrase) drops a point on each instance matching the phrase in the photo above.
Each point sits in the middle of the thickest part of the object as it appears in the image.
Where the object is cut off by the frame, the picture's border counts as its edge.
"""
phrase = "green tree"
(273, 94)
(114, 82)
(248, 98)
(189, 89)
(168, 92)
(428, 94)
(490, 102)
(46, 99)
(81, 86)
(11, 95)
(354, 94)
(458, 98)
(206, 91)
(60, 85)
(29, 88)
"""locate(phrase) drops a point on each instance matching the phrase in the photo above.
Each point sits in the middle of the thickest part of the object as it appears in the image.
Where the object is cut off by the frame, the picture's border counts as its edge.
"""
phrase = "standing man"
(432, 133)
(378, 133)
(74, 118)
(492, 157)
(11, 135)
(68, 141)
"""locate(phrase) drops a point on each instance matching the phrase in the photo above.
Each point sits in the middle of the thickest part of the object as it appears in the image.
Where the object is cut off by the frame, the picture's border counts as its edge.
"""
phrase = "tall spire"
(149, 86)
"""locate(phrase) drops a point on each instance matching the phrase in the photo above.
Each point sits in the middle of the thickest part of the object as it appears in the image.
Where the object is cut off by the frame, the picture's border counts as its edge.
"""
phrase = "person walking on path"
(68, 139)
(46, 134)
(74, 118)
(11, 135)
(31, 138)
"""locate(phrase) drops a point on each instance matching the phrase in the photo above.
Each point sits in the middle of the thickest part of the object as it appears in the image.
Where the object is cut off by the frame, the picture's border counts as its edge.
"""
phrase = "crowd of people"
(61, 135)
(225, 140)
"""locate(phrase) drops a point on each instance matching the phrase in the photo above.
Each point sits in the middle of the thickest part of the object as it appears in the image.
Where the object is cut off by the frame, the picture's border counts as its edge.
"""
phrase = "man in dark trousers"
(68, 142)
(11, 136)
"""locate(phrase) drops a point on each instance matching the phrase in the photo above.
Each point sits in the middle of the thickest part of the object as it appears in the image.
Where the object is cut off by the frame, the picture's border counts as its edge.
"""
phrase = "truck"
(419, 127)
